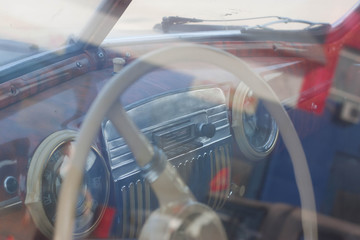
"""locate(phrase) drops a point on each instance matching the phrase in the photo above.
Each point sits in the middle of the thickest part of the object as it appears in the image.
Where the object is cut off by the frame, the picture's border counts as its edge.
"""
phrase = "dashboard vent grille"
(138, 199)
(220, 167)
(135, 207)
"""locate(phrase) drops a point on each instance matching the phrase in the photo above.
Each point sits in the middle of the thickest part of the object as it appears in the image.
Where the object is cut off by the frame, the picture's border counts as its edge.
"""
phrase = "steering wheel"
(173, 195)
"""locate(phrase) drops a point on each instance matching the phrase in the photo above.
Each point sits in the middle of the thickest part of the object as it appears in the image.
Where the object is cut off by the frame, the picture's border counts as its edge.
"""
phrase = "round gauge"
(47, 170)
(255, 130)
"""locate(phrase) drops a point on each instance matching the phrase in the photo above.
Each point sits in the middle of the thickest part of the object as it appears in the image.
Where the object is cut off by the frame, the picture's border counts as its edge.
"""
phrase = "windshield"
(29, 27)
(141, 16)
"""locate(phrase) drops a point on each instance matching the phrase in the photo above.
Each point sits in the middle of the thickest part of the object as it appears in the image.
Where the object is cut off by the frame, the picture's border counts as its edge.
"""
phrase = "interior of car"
(202, 129)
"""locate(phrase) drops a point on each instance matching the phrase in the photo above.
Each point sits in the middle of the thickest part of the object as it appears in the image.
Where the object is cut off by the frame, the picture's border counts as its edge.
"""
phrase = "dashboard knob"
(11, 185)
(206, 130)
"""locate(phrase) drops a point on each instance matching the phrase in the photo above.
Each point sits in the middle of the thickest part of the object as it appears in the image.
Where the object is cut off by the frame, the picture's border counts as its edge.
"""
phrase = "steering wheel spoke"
(141, 148)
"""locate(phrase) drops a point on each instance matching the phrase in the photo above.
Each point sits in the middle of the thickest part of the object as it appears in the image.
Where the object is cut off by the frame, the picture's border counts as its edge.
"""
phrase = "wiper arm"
(169, 22)
(290, 20)
(173, 21)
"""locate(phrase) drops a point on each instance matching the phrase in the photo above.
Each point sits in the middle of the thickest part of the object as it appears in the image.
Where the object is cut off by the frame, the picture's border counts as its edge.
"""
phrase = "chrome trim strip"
(228, 166)
(124, 209)
(132, 207)
(140, 199)
(186, 170)
(108, 43)
(180, 170)
(190, 166)
(5, 163)
(10, 203)
(147, 198)
(218, 164)
(222, 127)
(222, 166)
(212, 171)
(217, 167)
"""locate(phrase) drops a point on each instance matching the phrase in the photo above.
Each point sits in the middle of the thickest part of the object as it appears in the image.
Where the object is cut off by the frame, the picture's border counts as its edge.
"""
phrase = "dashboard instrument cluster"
(47, 170)
(255, 131)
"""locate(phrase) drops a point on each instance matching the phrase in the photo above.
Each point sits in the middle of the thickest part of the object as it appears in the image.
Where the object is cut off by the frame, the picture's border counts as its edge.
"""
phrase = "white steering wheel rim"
(147, 63)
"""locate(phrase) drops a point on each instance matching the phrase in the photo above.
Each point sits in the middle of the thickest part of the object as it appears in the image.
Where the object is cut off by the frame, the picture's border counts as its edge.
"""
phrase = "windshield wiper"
(179, 23)
(175, 23)
(168, 22)
(290, 20)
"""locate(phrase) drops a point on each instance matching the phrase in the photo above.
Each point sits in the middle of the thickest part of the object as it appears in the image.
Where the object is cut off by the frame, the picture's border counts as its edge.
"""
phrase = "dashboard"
(185, 115)
(215, 132)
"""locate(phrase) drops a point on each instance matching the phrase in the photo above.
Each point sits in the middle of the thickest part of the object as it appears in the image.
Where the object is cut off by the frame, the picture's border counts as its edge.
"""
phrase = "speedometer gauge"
(255, 130)
(47, 170)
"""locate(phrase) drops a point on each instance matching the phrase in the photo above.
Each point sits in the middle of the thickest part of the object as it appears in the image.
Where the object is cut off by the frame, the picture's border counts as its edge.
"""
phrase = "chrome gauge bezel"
(238, 126)
(38, 165)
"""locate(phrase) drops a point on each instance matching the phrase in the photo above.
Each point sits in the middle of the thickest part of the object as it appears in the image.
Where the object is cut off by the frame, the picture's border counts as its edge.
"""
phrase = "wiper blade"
(290, 20)
(174, 21)
(168, 23)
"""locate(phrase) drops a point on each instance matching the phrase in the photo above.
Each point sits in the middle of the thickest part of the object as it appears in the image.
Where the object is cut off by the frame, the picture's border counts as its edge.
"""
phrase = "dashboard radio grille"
(138, 200)
(173, 130)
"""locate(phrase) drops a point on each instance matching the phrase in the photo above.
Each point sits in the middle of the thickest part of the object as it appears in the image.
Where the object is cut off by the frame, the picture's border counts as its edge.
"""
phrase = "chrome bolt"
(100, 54)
